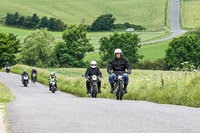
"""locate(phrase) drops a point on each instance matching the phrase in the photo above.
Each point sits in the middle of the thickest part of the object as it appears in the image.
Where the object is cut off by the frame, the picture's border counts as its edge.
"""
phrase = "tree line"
(105, 22)
(34, 22)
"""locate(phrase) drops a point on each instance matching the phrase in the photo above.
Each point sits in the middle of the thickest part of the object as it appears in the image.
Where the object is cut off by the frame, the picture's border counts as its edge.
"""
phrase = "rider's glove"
(129, 71)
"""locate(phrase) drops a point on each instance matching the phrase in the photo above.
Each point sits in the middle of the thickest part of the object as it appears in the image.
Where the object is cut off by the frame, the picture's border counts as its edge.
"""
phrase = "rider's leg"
(111, 80)
(99, 86)
(88, 87)
(126, 80)
(49, 86)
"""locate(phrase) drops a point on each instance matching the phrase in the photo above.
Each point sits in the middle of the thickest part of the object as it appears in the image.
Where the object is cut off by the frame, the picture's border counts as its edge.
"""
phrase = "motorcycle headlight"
(94, 77)
(120, 77)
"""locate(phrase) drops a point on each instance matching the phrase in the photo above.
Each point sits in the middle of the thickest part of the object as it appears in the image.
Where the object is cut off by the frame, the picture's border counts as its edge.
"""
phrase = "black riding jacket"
(33, 71)
(120, 64)
(24, 73)
(93, 71)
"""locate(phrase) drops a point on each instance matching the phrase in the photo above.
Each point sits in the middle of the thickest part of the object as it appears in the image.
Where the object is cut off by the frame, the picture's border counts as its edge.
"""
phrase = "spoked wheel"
(94, 92)
(120, 90)
(53, 89)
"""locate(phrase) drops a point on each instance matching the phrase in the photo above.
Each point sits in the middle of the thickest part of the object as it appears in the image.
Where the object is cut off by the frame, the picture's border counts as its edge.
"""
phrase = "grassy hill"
(148, 13)
(191, 15)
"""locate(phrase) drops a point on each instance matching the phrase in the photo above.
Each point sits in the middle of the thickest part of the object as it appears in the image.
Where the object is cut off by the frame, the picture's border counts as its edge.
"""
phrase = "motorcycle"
(93, 85)
(7, 69)
(53, 86)
(25, 79)
(119, 85)
(34, 77)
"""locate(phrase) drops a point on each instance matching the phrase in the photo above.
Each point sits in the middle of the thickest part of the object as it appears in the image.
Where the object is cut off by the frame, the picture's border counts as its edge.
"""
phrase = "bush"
(185, 48)
(159, 64)
(126, 25)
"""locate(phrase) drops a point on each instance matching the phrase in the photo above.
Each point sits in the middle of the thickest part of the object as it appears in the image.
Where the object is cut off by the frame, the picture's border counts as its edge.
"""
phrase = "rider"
(7, 64)
(34, 71)
(118, 64)
(52, 78)
(93, 70)
(23, 74)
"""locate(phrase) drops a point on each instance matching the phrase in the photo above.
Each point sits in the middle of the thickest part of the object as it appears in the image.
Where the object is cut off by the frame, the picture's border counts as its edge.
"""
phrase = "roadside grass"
(73, 12)
(191, 16)
(165, 87)
(5, 94)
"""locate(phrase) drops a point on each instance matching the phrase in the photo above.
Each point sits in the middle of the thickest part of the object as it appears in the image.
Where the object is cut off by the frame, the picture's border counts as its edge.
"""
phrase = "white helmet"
(93, 64)
(52, 74)
(118, 51)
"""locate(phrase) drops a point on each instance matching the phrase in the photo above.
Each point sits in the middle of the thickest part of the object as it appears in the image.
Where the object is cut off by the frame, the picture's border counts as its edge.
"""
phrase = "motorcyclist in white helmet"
(93, 70)
(118, 64)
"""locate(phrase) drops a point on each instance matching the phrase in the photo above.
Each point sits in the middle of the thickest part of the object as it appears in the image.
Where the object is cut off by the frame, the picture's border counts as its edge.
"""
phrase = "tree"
(103, 23)
(37, 49)
(16, 17)
(51, 24)
(9, 46)
(43, 22)
(196, 31)
(59, 25)
(35, 20)
(127, 42)
(10, 19)
(21, 20)
(185, 48)
(75, 45)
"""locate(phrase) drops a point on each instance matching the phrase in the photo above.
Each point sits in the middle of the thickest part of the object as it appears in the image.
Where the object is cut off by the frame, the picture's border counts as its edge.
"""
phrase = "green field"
(191, 13)
(94, 36)
(169, 87)
(5, 94)
(154, 51)
(148, 13)
(151, 52)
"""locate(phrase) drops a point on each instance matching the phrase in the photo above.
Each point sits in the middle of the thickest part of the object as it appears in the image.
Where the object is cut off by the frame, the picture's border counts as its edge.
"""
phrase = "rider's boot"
(88, 89)
(99, 87)
(112, 88)
(125, 88)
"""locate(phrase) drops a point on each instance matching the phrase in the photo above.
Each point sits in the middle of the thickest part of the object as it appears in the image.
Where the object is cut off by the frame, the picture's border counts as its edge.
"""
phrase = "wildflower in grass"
(194, 70)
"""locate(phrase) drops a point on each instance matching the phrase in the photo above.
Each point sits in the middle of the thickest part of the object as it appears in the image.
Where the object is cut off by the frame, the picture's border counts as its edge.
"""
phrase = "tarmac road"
(37, 110)
(174, 21)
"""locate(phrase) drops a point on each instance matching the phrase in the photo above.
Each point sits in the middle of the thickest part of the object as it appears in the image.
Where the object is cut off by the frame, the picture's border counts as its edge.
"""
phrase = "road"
(174, 22)
(36, 110)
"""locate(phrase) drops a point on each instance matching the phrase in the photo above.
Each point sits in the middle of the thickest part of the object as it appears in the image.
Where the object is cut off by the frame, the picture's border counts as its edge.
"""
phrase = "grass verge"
(5, 94)
(166, 87)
